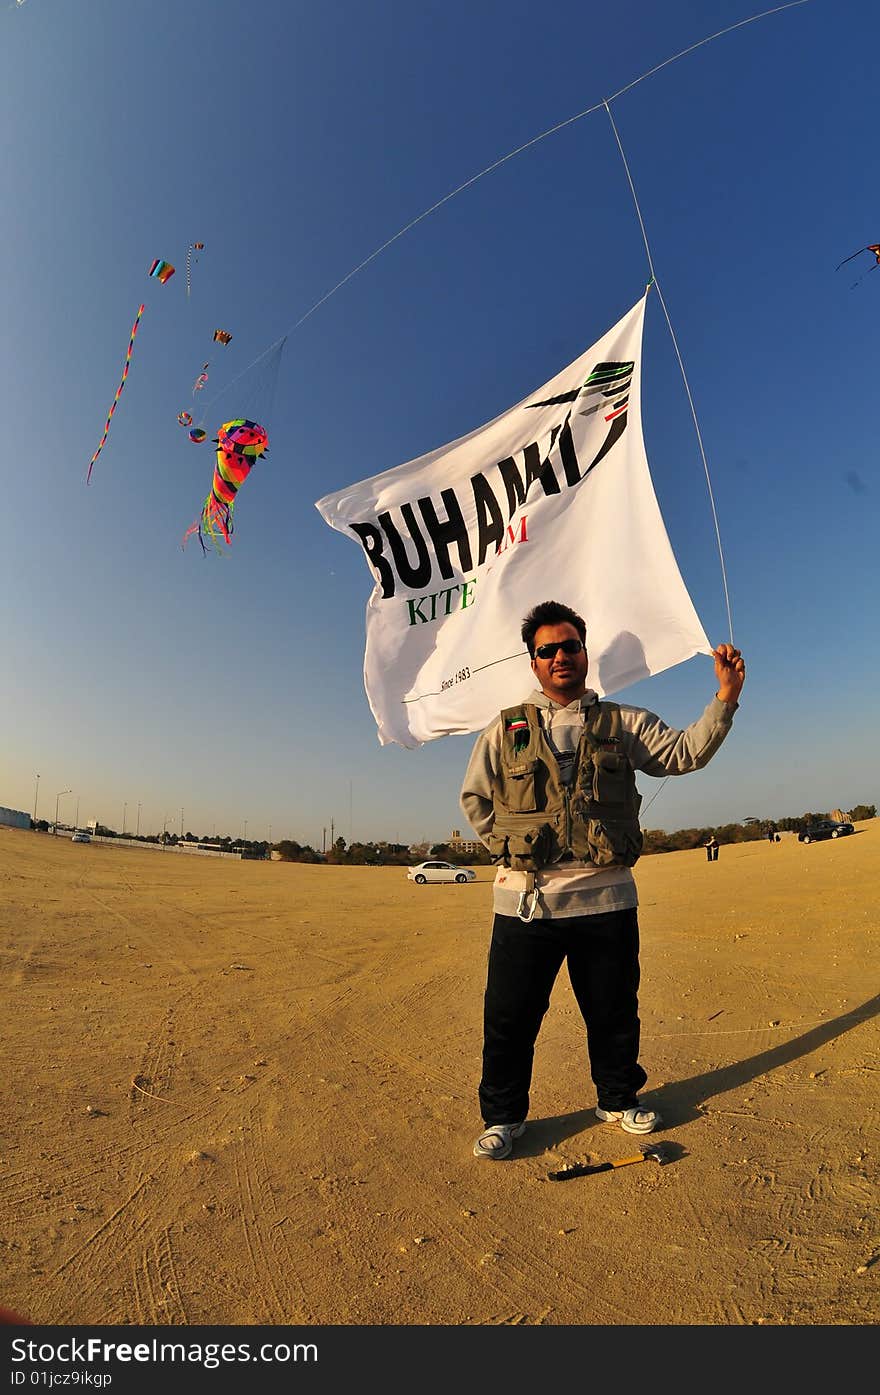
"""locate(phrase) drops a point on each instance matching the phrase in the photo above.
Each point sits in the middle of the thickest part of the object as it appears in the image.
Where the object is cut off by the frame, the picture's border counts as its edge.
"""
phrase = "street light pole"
(138, 829)
(76, 815)
(124, 811)
(181, 823)
(36, 792)
(57, 797)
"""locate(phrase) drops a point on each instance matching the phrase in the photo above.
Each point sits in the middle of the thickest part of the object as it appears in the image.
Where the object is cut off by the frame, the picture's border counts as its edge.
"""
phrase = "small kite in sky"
(239, 444)
(134, 330)
(872, 247)
(201, 379)
(198, 435)
(193, 247)
(163, 271)
(184, 419)
(221, 336)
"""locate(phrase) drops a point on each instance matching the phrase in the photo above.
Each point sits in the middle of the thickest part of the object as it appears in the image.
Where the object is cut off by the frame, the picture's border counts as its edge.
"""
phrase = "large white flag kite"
(550, 501)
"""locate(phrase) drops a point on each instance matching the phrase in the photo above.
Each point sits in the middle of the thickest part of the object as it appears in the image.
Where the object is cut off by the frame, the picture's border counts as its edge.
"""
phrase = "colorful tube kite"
(163, 271)
(239, 444)
(184, 419)
(221, 336)
(193, 247)
(134, 330)
(197, 435)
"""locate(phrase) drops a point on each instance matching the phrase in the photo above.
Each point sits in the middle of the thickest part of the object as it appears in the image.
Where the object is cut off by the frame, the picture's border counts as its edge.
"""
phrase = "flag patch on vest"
(519, 728)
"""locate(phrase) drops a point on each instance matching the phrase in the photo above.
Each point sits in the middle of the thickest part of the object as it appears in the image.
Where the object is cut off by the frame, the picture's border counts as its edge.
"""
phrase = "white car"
(440, 872)
(81, 837)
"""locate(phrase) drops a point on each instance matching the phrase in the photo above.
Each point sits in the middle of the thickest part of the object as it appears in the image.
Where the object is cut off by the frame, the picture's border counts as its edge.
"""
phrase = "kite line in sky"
(687, 389)
(552, 130)
(598, 106)
(872, 247)
(163, 270)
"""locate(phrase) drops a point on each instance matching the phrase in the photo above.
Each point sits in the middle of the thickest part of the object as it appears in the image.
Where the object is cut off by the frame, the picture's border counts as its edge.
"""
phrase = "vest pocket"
(519, 787)
(612, 843)
(524, 851)
(610, 776)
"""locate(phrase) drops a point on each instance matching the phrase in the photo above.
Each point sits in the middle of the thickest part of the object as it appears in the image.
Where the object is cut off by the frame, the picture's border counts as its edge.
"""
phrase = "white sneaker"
(635, 1120)
(497, 1140)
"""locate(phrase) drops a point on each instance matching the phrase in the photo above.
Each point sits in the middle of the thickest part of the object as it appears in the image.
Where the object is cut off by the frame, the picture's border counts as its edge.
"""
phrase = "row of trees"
(382, 854)
(657, 840)
(751, 830)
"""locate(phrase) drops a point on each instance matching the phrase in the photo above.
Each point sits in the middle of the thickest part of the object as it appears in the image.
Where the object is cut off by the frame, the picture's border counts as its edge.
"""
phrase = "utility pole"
(124, 811)
(36, 792)
(57, 797)
(181, 823)
(323, 840)
(349, 813)
(332, 826)
(76, 815)
(138, 829)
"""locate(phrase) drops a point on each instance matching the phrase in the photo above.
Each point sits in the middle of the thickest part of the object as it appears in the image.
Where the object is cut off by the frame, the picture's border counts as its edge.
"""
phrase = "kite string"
(680, 364)
(496, 164)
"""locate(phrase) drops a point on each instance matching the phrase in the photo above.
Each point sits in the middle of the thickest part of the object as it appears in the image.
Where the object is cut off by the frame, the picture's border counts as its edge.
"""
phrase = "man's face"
(561, 676)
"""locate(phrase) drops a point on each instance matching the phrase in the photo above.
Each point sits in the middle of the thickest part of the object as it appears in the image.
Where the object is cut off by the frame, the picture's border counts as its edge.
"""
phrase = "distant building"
(14, 818)
(463, 845)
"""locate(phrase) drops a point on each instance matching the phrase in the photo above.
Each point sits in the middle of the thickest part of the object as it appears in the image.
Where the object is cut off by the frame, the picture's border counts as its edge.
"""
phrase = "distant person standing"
(712, 845)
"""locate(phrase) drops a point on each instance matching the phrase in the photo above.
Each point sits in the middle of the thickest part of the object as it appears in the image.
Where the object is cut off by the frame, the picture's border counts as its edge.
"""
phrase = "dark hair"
(550, 613)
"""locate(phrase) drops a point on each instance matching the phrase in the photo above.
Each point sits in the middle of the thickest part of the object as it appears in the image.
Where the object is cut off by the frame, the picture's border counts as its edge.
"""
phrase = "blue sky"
(293, 140)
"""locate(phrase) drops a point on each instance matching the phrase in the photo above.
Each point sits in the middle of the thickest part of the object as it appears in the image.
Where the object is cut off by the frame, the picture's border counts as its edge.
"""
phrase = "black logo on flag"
(607, 382)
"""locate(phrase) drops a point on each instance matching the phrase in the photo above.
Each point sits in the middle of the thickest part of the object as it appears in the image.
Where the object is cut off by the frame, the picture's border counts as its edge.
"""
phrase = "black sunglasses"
(568, 646)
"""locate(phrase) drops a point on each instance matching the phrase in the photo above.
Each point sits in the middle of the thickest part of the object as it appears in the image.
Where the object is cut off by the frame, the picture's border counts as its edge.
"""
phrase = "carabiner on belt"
(529, 894)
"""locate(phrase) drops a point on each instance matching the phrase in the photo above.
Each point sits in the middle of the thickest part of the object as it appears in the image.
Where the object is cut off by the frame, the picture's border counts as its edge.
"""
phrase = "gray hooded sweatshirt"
(578, 888)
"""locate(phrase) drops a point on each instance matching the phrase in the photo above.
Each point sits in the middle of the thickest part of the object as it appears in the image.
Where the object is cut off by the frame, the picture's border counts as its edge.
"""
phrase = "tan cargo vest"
(538, 821)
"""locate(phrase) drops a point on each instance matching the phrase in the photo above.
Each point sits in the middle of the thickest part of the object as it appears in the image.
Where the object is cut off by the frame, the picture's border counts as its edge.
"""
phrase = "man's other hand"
(730, 670)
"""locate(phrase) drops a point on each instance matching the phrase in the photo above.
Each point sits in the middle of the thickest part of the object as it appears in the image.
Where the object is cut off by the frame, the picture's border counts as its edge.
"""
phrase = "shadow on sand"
(682, 1100)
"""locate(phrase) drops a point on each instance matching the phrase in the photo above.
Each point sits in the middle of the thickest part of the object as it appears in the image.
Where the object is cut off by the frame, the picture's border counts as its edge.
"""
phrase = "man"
(550, 789)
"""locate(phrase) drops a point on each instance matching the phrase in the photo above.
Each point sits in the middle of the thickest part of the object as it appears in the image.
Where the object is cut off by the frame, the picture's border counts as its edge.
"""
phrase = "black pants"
(603, 965)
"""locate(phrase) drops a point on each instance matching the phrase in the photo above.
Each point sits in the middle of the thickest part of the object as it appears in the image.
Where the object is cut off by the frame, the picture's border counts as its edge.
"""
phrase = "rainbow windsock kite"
(163, 271)
(239, 444)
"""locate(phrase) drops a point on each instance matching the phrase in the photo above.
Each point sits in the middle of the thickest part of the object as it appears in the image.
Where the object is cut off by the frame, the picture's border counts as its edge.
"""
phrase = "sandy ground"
(245, 1093)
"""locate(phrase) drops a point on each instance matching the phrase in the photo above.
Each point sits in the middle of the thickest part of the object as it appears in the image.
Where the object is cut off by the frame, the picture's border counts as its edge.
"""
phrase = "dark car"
(826, 829)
